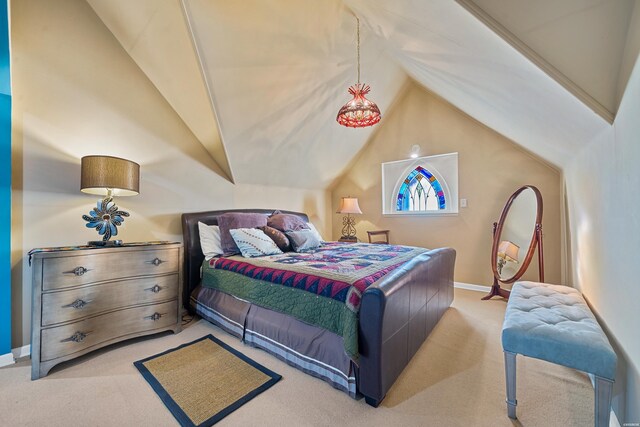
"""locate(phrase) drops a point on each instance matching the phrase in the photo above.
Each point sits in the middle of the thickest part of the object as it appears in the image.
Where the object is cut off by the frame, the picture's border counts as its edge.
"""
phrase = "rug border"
(177, 411)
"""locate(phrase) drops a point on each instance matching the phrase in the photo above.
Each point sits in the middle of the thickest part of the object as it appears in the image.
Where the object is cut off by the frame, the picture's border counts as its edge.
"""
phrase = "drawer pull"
(78, 271)
(77, 304)
(154, 316)
(155, 289)
(77, 337)
(156, 261)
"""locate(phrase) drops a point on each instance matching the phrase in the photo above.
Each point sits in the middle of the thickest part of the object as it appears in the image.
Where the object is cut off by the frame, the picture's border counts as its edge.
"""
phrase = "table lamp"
(349, 205)
(507, 251)
(108, 176)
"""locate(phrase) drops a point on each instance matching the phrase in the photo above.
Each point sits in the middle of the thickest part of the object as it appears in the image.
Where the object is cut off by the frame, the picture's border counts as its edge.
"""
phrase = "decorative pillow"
(253, 242)
(278, 237)
(303, 240)
(210, 240)
(232, 220)
(286, 222)
(315, 232)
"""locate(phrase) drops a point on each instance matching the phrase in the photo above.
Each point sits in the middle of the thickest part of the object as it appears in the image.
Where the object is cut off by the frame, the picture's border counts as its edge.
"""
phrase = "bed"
(395, 311)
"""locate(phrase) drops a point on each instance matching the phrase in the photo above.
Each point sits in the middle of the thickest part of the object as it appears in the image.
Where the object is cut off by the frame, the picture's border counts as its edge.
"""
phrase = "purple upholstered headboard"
(193, 255)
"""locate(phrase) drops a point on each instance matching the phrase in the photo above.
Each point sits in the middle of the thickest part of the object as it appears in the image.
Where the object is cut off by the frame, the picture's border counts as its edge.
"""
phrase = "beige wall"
(603, 203)
(77, 92)
(491, 168)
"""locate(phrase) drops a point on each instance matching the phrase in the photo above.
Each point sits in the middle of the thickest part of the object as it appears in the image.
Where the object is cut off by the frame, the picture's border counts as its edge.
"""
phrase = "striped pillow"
(253, 242)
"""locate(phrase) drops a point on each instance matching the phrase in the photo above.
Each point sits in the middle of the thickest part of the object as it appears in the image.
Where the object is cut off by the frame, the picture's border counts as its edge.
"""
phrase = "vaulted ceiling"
(581, 43)
(259, 82)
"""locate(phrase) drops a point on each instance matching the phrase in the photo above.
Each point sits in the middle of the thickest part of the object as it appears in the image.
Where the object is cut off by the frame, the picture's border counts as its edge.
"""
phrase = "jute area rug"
(205, 380)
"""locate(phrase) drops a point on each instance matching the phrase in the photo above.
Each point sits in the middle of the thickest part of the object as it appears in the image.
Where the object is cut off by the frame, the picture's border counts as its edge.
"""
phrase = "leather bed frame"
(397, 312)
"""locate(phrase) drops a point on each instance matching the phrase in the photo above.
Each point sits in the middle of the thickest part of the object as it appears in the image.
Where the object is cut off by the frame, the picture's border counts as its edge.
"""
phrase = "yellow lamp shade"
(349, 205)
(508, 250)
(100, 174)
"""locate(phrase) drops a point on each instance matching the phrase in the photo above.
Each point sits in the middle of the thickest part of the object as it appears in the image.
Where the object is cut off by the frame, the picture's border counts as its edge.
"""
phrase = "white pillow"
(253, 242)
(210, 240)
(315, 232)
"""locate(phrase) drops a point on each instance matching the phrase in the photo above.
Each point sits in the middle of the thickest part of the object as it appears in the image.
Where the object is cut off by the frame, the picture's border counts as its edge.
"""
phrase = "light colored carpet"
(455, 379)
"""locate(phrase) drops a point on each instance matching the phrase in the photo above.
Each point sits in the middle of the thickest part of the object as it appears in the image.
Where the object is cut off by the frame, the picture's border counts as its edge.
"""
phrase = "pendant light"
(359, 112)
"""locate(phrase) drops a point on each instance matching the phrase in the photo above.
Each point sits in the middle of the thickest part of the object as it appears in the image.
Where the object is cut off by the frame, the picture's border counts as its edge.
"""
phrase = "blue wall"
(5, 184)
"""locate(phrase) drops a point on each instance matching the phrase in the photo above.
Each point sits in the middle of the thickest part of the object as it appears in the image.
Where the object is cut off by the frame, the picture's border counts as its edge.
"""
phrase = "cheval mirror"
(515, 238)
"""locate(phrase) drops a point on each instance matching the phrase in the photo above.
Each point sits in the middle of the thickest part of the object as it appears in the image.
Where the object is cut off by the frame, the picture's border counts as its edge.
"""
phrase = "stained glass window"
(425, 186)
(420, 191)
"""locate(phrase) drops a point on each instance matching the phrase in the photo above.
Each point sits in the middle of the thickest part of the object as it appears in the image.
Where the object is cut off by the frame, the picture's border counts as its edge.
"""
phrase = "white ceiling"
(449, 51)
(584, 40)
(276, 72)
(259, 82)
(158, 39)
(280, 71)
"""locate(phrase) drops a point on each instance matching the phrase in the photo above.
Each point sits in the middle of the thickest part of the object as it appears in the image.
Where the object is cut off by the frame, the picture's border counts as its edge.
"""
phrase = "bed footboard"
(396, 316)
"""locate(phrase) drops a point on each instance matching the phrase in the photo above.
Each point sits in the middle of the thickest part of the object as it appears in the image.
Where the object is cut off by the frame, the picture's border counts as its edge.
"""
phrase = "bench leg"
(510, 371)
(603, 401)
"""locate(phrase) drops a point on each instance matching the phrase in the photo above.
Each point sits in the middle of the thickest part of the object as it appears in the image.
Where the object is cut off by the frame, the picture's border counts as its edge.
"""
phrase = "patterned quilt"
(323, 287)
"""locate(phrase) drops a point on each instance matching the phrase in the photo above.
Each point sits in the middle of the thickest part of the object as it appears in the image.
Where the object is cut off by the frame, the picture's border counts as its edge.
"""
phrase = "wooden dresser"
(86, 298)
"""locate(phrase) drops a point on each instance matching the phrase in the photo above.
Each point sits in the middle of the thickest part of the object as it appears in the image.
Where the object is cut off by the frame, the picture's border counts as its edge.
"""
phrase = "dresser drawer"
(68, 339)
(76, 303)
(64, 272)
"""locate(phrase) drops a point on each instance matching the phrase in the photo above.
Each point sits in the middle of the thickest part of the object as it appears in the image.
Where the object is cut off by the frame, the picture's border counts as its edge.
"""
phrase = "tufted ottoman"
(554, 323)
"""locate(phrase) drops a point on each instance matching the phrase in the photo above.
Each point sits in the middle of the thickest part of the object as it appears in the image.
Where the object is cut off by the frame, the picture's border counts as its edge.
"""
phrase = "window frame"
(445, 169)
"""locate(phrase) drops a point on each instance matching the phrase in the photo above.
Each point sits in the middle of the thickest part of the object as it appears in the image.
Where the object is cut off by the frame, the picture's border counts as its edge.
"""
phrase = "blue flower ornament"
(105, 218)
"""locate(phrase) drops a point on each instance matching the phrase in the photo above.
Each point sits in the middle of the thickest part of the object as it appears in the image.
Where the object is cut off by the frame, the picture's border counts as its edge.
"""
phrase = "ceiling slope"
(449, 51)
(280, 70)
(259, 82)
(157, 37)
(274, 75)
(580, 43)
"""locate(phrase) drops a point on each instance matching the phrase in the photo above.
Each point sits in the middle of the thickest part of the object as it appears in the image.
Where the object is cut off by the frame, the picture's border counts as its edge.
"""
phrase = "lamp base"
(108, 243)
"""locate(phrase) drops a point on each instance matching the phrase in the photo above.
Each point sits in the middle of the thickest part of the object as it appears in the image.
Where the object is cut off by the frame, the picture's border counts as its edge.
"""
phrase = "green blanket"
(307, 307)
(322, 287)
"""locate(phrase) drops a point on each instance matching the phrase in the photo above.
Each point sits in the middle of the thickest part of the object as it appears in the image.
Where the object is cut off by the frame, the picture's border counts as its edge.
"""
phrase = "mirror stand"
(496, 290)
(509, 235)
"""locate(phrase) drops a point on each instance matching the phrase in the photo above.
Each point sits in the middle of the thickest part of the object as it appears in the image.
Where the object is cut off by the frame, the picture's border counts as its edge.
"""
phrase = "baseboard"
(471, 287)
(592, 378)
(613, 420)
(16, 353)
(23, 351)
(6, 359)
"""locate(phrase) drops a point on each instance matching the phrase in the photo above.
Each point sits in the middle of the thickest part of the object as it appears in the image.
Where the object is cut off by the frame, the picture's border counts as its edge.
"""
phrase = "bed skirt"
(311, 349)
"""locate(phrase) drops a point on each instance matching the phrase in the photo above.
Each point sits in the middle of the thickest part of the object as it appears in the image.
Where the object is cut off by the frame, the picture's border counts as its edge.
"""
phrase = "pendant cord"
(357, 19)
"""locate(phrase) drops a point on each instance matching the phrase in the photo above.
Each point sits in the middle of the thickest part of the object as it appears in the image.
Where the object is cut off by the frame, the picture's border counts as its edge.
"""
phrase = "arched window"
(424, 186)
(421, 191)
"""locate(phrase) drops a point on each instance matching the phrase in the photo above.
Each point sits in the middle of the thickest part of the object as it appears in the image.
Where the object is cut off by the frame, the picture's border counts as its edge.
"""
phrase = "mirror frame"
(536, 241)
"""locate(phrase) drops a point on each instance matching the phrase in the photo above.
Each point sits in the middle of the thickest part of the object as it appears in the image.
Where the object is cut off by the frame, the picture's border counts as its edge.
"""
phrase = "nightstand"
(348, 240)
(84, 298)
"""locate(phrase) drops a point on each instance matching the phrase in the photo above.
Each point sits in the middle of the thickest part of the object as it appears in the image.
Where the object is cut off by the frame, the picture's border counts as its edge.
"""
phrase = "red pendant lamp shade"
(359, 112)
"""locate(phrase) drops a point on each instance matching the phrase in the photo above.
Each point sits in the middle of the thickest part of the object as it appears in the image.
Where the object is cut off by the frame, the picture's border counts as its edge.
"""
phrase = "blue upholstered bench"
(554, 323)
